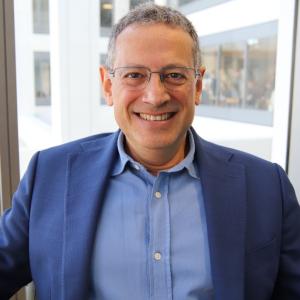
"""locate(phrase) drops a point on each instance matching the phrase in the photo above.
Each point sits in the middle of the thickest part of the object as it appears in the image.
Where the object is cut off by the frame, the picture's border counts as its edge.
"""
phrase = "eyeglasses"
(137, 78)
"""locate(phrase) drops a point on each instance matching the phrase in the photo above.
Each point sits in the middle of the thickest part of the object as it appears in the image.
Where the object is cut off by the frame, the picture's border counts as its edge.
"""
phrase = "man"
(152, 211)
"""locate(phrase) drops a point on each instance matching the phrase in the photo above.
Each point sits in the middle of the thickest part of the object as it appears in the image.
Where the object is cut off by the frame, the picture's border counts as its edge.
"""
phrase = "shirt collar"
(187, 163)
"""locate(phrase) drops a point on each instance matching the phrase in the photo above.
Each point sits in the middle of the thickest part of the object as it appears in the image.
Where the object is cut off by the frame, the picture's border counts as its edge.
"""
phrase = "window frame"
(293, 159)
(9, 149)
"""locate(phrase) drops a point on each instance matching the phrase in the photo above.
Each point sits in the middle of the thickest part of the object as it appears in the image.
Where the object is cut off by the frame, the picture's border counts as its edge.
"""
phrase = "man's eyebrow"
(135, 66)
(173, 65)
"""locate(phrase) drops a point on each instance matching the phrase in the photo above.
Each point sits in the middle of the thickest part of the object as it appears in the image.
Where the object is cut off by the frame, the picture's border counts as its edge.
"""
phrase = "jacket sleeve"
(288, 280)
(14, 237)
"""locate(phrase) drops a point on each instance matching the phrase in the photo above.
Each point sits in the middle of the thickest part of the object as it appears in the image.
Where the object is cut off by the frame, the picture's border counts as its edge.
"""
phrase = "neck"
(156, 160)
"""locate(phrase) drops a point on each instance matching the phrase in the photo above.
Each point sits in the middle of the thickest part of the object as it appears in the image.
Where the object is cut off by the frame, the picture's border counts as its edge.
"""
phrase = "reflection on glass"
(40, 16)
(260, 82)
(240, 74)
(106, 17)
(42, 78)
(231, 75)
(210, 60)
(134, 3)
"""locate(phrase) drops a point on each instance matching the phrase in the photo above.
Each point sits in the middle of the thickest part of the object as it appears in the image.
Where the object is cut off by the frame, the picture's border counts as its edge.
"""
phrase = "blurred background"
(248, 101)
(60, 45)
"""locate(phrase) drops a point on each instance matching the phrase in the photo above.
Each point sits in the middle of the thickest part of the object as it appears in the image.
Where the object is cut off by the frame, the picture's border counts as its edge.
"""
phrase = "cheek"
(193, 95)
(122, 97)
(123, 103)
(186, 97)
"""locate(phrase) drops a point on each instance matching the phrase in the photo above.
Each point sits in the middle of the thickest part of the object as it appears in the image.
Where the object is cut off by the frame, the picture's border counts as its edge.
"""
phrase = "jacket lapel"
(224, 194)
(87, 176)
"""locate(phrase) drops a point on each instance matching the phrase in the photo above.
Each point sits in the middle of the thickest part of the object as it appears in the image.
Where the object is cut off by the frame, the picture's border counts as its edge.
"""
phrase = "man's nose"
(155, 92)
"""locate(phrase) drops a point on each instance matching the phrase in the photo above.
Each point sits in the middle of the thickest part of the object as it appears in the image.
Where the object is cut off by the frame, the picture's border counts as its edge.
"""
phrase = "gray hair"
(150, 13)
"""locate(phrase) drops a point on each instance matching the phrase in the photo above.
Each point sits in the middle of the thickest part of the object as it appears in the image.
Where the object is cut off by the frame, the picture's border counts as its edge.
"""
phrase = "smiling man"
(154, 84)
(152, 211)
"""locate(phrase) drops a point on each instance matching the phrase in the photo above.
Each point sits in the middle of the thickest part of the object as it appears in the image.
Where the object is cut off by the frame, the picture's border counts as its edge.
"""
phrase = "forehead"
(153, 44)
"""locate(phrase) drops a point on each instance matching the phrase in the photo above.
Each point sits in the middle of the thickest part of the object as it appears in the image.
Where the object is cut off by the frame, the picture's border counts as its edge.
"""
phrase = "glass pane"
(40, 16)
(231, 75)
(42, 78)
(241, 67)
(210, 60)
(261, 70)
(106, 17)
(42, 86)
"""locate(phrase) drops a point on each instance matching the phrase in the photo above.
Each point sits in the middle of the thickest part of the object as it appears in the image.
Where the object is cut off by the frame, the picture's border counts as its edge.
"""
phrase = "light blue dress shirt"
(151, 241)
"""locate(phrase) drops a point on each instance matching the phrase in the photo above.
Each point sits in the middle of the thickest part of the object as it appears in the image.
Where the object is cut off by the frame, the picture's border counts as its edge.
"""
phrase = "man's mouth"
(161, 117)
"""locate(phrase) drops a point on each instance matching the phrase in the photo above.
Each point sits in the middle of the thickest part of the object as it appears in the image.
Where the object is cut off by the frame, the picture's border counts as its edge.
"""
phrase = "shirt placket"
(160, 271)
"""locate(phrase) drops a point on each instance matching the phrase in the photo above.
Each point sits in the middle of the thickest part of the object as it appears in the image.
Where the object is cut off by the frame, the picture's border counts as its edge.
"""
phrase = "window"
(210, 56)
(106, 17)
(260, 76)
(42, 78)
(41, 16)
(240, 75)
(231, 75)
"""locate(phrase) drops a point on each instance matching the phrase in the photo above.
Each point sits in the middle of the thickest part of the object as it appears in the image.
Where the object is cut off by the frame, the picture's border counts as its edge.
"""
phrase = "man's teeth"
(161, 117)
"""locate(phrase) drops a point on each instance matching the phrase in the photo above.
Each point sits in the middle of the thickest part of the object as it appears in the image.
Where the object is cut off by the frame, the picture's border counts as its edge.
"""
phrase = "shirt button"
(157, 256)
(157, 195)
(136, 166)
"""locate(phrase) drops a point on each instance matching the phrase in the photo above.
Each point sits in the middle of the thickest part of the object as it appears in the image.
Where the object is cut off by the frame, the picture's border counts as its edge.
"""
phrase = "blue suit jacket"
(253, 221)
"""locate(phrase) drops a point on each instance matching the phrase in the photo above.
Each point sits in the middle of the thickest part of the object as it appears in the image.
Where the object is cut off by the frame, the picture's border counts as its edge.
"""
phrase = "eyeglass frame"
(197, 74)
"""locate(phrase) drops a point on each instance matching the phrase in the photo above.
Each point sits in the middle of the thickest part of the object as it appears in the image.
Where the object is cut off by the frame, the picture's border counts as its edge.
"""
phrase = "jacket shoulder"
(234, 155)
(90, 142)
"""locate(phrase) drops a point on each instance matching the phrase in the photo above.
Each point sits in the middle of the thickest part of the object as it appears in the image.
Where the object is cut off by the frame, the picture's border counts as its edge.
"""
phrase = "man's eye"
(134, 75)
(175, 76)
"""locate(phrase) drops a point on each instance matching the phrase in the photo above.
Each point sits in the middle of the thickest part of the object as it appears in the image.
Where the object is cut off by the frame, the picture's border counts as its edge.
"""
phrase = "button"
(157, 256)
(136, 167)
(157, 195)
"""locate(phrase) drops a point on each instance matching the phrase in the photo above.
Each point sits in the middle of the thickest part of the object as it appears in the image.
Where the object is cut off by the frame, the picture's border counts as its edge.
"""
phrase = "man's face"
(153, 118)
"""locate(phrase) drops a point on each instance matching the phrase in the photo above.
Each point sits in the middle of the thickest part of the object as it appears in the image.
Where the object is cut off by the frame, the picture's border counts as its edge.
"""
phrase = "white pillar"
(24, 56)
(74, 62)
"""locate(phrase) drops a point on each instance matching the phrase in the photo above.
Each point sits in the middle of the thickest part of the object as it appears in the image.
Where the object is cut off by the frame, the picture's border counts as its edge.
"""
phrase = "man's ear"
(106, 85)
(201, 70)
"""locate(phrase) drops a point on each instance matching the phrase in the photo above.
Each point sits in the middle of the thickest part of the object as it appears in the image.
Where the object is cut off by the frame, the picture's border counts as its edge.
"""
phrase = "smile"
(161, 117)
